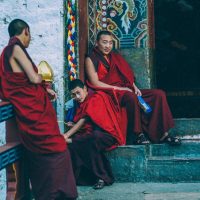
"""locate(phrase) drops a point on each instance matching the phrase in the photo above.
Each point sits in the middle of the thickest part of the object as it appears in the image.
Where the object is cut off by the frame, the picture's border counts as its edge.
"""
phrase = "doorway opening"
(177, 56)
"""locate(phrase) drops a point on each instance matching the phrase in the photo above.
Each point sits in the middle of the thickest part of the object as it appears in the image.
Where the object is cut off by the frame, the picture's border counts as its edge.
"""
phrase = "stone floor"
(139, 191)
(142, 191)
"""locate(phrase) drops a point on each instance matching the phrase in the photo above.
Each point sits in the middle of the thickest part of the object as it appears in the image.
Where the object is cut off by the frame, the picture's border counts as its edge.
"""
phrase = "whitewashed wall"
(46, 21)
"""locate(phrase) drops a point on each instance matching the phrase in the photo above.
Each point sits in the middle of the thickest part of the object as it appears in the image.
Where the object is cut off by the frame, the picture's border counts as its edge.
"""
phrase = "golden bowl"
(46, 71)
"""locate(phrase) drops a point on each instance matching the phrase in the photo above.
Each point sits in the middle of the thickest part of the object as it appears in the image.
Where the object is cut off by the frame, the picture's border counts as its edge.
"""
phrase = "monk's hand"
(67, 139)
(137, 91)
(52, 94)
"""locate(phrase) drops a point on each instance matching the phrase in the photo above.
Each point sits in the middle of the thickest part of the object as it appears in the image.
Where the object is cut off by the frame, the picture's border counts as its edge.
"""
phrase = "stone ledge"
(186, 127)
(156, 163)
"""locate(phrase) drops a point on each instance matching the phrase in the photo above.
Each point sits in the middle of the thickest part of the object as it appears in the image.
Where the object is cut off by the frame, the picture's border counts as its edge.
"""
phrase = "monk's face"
(105, 44)
(79, 94)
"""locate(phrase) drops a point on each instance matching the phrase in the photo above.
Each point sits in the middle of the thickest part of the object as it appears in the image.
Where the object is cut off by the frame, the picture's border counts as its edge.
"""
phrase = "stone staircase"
(161, 162)
(155, 172)
(148, 164)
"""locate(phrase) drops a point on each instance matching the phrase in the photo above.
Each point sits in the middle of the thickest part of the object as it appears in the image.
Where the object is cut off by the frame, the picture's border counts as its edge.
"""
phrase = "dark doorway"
(177, 41)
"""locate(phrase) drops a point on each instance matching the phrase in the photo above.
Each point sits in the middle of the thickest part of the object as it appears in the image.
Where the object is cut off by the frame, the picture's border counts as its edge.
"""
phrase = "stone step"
(188, 128)
(156, 163)
(188, 149)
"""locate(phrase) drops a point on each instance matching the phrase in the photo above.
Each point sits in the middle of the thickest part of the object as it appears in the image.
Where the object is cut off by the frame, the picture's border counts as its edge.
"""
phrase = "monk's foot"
(171, 140)
(142, 140)
(99, 185)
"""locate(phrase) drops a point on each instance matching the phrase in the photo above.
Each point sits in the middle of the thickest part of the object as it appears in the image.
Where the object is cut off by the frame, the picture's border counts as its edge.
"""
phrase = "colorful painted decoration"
(127, 20)
(71, 39)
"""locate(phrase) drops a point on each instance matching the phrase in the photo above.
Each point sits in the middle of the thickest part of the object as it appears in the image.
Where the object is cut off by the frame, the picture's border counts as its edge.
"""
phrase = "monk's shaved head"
(16, 27)
(100, 33)
(76, 83)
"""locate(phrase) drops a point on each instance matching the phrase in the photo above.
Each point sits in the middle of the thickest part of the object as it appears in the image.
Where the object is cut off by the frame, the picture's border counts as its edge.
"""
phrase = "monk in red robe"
(47, 158)
(108, 71)
(95, 128)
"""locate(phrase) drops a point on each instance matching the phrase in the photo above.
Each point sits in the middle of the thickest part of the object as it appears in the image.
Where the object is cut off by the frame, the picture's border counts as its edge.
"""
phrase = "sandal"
(99, 185)
(173, 141)
(142, 139)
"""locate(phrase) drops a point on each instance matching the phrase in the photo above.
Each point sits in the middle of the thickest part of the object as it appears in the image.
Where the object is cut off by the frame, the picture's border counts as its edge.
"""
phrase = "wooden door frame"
(83, 35)
(83, 28)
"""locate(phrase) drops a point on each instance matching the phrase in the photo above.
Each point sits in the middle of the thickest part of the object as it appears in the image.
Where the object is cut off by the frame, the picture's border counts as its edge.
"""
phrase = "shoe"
(142, 139)
(99, 185)
(171, 140)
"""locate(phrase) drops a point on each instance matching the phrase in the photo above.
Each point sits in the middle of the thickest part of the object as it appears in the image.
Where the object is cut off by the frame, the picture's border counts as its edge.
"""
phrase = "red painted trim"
(151, 27)
(83, 35)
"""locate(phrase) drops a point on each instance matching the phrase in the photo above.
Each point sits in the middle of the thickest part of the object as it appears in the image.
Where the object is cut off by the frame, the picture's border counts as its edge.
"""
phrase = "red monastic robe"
(117, 72)
(100, 132)
(101, 110)
(35, 115)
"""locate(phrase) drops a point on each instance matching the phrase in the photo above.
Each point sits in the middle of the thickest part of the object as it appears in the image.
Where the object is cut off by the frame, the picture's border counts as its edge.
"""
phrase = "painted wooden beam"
(10, 153)
(6, 111)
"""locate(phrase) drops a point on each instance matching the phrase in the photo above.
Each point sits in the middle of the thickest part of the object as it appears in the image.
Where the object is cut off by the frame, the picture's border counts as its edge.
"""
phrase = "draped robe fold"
(116, 71)
(46, 157)
(101, 132)
(35, 115)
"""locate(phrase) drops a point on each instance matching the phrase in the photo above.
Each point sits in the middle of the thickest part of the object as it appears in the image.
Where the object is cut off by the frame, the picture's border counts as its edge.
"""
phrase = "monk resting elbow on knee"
(93, 131)
(108, 71)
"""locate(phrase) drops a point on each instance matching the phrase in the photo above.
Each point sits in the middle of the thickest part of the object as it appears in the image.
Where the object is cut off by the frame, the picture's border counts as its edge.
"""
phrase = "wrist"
(66, 135)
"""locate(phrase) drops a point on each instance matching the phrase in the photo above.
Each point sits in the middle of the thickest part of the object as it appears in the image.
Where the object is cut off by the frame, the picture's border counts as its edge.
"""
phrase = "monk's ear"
(26, 31)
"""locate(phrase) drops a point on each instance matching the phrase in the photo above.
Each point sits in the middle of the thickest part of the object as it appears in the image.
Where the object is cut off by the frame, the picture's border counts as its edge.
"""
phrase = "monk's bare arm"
(75, 128)
(93, 77)
(19, 62)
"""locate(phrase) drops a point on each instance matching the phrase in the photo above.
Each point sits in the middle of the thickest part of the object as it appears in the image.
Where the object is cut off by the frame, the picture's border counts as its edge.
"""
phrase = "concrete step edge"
(170, 158)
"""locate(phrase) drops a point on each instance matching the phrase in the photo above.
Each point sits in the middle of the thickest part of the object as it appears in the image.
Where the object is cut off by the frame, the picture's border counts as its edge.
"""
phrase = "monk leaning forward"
(95, 129)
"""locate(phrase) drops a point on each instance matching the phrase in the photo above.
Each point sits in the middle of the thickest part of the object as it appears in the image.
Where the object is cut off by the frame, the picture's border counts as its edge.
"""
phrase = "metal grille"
(10, 156)
(6, 112)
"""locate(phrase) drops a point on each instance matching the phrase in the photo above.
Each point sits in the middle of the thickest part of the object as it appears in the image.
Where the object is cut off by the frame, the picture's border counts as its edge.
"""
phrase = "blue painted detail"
(6, 112)
(10, 156)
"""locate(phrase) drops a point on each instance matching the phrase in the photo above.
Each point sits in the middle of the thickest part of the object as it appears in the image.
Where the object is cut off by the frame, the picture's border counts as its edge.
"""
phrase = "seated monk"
(95, 128)
(108, 71)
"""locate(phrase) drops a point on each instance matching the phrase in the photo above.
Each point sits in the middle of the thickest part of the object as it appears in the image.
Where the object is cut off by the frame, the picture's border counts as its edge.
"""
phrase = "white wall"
(45, 18)
(46, 22)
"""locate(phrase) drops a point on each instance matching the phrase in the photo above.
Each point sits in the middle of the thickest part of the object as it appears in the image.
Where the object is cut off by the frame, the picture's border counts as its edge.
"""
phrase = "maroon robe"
(35, 115)
(117, 72)
(100, 132)
(101, 110)
(47, 159)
